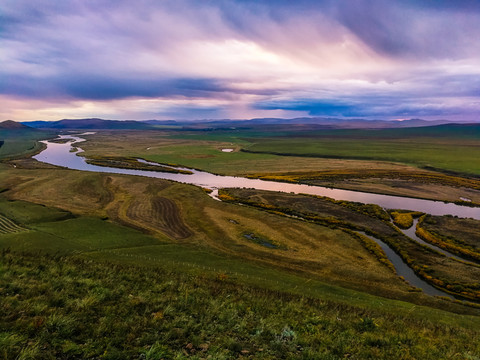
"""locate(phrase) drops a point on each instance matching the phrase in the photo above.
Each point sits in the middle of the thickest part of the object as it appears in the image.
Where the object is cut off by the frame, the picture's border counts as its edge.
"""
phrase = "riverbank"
(431, 265)
(59, 154)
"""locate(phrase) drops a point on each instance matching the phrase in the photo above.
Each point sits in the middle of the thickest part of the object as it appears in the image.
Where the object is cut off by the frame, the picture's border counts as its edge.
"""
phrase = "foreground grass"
(63, 307)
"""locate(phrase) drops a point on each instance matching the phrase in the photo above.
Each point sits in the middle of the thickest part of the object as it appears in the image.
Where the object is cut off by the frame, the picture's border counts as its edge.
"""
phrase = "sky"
(194, 59)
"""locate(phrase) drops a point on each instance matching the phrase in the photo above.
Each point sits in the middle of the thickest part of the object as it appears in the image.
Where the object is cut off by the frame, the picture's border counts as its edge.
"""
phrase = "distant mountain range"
(332, 123)
(92, 123)
(316, 122)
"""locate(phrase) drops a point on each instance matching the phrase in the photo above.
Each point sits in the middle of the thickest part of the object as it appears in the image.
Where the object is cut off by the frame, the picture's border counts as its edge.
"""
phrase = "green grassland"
(115, 266)
(63, 307)
(416, 147)
(447, 147)
(451, 154)
(205, 153)
(20, 143)
(339, 167)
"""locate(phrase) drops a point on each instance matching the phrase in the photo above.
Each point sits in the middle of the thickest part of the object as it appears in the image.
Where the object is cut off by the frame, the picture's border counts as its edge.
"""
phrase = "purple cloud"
(332, 57)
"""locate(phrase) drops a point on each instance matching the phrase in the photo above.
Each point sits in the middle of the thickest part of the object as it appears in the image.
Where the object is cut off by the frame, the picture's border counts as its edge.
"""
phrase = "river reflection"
(60, 154)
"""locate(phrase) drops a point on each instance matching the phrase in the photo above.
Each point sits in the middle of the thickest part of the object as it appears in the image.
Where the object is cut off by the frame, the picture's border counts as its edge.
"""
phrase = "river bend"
(63, 154)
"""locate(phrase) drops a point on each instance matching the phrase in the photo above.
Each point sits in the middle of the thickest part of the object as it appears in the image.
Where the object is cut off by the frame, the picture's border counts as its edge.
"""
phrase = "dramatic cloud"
(216, 59)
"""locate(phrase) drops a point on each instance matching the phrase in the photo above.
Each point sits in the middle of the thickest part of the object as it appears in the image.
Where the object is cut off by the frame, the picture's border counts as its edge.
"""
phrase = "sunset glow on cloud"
(239, 59)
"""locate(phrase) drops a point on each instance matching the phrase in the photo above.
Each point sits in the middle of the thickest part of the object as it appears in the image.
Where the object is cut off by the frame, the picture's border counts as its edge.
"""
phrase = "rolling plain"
(167, 271)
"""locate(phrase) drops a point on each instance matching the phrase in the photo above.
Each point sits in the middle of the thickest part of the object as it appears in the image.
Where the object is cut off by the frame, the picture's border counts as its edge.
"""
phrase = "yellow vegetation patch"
(402, 220)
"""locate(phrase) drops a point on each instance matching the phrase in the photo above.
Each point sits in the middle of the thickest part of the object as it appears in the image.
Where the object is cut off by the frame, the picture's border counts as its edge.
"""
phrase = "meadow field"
(281, 276)
(21, 143)
(418, 162)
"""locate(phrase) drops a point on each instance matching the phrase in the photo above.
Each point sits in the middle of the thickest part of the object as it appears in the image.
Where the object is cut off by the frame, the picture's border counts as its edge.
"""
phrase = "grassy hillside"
(184, 215)
(20, 142)
(107, 266)
(58, 307)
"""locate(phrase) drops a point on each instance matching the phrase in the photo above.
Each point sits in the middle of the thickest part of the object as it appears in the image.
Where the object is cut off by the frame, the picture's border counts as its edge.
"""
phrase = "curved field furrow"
(167, 211)
(159, 213)
(7, 226)
(140, 210)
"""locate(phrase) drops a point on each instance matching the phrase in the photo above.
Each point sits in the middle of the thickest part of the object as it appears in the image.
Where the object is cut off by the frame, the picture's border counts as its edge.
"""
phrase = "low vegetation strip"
(7, 226)
(463, 232)
(373, 248)
(339, 175)
(132, 163)
(446, 243)
(64, 307)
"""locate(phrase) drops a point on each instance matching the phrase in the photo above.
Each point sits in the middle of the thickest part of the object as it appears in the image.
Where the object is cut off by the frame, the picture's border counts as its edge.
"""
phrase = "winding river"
(65, 155)
(404, 270)
(61, 155)
(411, 233)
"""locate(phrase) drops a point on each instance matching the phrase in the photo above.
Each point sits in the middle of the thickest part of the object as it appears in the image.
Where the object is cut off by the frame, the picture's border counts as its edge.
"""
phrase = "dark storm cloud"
(312, 106)
(371, 105)
(105, 88)
(114, 88)
(418, 29)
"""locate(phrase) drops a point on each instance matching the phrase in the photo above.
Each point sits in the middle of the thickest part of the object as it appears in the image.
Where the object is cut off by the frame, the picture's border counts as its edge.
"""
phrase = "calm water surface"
(60, 154)
(405, 271)
(410, 232)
